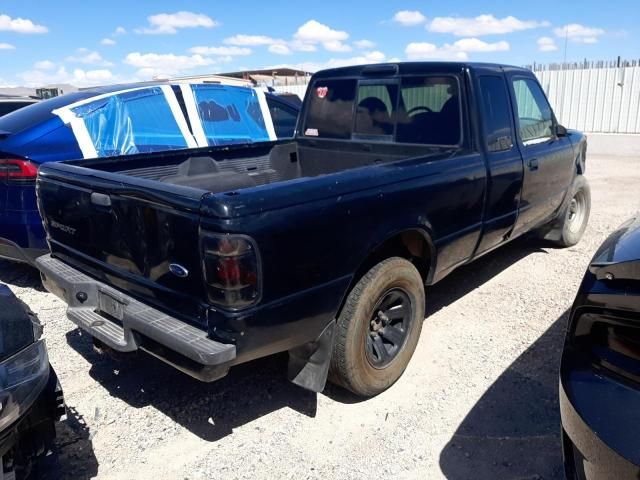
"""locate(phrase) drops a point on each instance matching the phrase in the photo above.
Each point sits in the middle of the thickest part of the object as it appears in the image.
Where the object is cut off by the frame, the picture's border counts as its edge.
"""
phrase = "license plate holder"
(110, 306)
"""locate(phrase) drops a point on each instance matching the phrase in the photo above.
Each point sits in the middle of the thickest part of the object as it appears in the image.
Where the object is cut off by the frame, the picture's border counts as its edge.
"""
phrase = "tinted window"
(430, 111)
(535, 119)
(497, 113)
(8, 107)
(284, 118)
(131, 122)
(26, 117)
(230, 115)
(374, 111)
(330, 109)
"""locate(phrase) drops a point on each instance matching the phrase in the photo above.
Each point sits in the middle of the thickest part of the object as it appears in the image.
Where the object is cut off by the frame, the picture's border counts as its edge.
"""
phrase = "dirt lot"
(478, 400)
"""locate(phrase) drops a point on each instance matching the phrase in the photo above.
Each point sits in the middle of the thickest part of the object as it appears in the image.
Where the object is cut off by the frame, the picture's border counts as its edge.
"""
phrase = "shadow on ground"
(253, 390)
(513, 431)
(209, 410)
(73, 458)
(20, 275)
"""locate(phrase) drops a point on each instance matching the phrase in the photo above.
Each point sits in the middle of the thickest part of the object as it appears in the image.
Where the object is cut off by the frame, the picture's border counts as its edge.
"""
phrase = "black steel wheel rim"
(389, 328)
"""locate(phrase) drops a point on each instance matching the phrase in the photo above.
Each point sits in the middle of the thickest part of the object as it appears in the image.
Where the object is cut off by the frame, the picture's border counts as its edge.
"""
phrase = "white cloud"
(107, 41)
(88, 57)
(547, 44)
(156, 64)
(409, 18)
(280, 49)
(78, 77)
(579, 33)
(20, 25)
(336, 46)
(225, 51)
(44, 65)
(6, 46)
(364, 44)
(481, 25)
(459, 50)
(170, 23)
(430, 51)
(120, 31)
(313, 32)
(366, 58)
(476, 45)
(250, 40)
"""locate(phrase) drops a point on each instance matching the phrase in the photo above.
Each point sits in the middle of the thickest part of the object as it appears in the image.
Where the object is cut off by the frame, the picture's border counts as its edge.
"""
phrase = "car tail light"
(231, 270)
(18, 170)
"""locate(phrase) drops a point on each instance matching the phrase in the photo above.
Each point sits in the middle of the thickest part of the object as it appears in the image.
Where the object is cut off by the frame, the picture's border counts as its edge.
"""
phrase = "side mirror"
(561, 131)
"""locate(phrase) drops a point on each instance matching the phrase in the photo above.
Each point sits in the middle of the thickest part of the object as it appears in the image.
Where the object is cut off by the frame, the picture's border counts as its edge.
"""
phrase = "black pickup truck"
(322, 245)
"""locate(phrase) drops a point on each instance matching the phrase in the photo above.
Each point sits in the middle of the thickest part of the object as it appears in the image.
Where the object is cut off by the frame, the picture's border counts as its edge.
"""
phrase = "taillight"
(18, 170)
(231, 270)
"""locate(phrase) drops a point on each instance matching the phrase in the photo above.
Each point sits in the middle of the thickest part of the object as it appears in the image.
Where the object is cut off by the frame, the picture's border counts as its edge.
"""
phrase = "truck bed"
(227, 169)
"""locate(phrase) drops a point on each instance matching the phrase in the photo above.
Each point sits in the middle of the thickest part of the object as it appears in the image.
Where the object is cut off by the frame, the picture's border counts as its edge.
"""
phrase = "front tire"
(576, 216)
(378, 328)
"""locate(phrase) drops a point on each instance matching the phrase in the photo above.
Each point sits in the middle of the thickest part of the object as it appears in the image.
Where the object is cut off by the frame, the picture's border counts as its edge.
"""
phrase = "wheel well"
(410, 244)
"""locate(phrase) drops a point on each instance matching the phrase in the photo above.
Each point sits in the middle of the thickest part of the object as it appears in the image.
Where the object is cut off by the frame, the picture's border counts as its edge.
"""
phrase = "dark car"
(321, 245)
(600, 372)
(31, 399)
(10, 104)
(121, 120)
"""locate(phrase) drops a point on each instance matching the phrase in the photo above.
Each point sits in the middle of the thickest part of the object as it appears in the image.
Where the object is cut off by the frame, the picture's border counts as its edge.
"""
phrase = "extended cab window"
(330, 111)
(535, 119)
(429, 111)
(497, 113)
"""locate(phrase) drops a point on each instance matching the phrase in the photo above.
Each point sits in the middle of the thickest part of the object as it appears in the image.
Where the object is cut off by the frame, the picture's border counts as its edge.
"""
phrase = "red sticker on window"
(322, 91)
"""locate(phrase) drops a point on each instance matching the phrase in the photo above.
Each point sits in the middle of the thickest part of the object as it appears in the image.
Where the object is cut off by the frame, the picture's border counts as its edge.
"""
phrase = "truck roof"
(407, 68)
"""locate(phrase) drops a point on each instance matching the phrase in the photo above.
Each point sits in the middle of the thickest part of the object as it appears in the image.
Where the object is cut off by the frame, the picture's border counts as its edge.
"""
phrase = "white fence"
(601, 97)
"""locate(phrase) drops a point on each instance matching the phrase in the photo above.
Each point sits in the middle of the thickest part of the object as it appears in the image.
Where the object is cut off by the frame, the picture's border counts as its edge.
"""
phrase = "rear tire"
(576, 216)
(378, 328)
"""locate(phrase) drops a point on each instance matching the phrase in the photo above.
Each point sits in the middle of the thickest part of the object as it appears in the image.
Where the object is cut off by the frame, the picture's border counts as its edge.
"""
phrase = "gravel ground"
(477, 401)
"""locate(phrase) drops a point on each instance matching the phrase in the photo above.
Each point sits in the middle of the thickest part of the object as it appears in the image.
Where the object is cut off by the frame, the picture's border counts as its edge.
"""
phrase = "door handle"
(533, 164)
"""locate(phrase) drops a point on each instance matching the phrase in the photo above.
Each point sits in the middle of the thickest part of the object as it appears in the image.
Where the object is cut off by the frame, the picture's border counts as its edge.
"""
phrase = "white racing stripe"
(178, 115)
(194, 116)
(266, 114)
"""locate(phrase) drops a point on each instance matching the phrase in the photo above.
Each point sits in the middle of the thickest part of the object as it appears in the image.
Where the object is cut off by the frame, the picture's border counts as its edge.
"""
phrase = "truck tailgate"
(127, 232)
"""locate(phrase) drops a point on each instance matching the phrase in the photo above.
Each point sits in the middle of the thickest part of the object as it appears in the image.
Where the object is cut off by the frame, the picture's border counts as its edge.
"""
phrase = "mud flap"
(309, 363)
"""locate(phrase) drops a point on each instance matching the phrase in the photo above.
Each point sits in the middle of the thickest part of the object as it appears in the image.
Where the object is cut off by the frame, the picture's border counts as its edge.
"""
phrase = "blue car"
(121, 120)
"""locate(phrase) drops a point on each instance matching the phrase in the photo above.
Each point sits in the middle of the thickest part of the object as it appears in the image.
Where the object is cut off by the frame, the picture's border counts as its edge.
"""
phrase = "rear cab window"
(414, 110)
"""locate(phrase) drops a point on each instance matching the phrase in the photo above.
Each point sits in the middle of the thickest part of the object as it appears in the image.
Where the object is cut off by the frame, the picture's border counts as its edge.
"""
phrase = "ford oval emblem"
(178, 270)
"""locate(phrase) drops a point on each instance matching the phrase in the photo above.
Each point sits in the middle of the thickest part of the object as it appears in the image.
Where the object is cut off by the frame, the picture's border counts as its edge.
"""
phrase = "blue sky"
(89, 42)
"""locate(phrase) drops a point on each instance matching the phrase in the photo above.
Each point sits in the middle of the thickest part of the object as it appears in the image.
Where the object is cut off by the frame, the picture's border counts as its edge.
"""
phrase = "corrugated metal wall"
(592, 97)
(605, 100)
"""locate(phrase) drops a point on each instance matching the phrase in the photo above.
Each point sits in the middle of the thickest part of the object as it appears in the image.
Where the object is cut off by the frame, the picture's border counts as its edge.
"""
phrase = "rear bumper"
(11, 251)
(22, 236)
(125, 324)
(586, 455)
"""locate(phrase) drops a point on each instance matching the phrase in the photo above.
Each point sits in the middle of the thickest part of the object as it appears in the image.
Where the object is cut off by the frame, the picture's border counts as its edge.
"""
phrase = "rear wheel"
(378, 328)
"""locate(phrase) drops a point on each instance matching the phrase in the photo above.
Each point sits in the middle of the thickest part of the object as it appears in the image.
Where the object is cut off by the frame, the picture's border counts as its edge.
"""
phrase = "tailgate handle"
(101, 200)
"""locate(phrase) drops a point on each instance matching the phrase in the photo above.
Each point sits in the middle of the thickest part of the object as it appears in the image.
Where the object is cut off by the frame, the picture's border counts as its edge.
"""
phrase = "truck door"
(548, 158)
(504, 161)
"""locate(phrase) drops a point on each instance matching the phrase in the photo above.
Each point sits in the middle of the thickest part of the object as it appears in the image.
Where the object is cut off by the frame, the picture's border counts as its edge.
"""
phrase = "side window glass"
(429, 111)
(374, 110)
(535, 119)
(284, 119)
(497, 113)
(229, 115)
(131, 122)
(330, 109)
